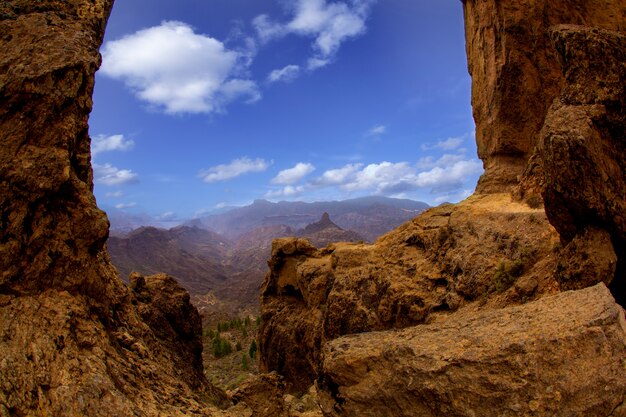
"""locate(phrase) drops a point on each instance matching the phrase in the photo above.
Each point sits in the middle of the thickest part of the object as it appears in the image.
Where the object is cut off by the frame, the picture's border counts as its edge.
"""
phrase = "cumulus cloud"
(377, 130)
(234, 169)
(287, 191)
(107, 174)
(293, 175)
(285, 74)
(114, 194)
(449, 144)
(338, 176)
(171, 67)
(122, 206)
(104, 143)
(328, 23)
(387, 178)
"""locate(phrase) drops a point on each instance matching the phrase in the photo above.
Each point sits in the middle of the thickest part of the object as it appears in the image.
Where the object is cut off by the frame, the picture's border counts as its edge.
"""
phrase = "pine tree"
(253, 349)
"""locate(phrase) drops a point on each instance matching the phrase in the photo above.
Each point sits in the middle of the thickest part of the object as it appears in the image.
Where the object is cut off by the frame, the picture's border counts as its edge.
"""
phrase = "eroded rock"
(74, 339)
(560, 356)
(446, 258)
(516, 74)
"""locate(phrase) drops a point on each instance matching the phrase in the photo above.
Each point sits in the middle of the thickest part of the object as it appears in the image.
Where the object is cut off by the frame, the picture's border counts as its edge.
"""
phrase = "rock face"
(516, 74)
(75, 339)
(546, 358)
(548, 100)
(488, 248)
(324, 232)
(582, 155)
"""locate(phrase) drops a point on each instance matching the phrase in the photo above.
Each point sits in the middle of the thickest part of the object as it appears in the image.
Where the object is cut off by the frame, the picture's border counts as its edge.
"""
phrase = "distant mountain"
(325, 232)
(370, 217)
(123, 222)
(195, 257)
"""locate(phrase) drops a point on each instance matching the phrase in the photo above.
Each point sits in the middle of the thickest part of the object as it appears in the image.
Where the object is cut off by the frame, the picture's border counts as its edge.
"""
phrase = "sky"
(205, 104)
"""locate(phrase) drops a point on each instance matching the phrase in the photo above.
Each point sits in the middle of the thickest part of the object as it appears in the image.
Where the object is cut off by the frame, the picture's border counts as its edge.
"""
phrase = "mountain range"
(224, 270)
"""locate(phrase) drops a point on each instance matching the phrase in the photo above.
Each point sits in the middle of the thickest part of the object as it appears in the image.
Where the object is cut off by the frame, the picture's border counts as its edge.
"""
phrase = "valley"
(224, 271)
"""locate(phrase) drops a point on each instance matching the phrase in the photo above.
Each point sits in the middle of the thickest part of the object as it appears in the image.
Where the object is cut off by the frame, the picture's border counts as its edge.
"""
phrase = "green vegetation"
(244, 362)
(253, 349)
(507, 273)
(221, 347)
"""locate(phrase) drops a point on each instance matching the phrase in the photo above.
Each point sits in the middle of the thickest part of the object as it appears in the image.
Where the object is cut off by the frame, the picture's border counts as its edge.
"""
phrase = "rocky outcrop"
(324, 232)
(487, 249)
(75, 339)
(563, 128)
(546, 358)
(582, 155)
(516, 74)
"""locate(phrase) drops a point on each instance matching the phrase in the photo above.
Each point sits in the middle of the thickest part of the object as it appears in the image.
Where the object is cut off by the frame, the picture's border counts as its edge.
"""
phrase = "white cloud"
(103, 143)
(234, 169)
(293, 175)
(122, 206)
(329, 23)
(377, 130)
(107, 174)
(287, 191)
(389, 178)
(382, 178)
(286, 74)
(429, 162)
(315, 63)
(449, 144)
(451, 176)
(114, 194)
(179, 71)
(338, 176)
(168, 215)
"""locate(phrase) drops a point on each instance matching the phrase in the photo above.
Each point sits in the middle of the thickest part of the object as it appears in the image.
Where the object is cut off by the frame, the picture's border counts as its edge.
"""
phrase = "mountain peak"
(324, 223)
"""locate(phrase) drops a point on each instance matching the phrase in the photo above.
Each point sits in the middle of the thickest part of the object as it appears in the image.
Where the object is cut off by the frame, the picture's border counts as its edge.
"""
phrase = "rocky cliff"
(75, 339)
(478, 287)
(488, 250)
(516, 74)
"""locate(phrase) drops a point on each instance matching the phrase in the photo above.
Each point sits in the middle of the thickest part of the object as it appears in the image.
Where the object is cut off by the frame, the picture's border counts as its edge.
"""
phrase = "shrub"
(221, 347)
(253, 349)
(244, 362)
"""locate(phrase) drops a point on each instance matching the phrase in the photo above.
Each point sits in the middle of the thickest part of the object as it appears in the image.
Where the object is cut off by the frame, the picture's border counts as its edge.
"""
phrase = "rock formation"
(548, 100)
(75, 339)
(526, 360)
(487, 248)
(582, 157)
(516, 74)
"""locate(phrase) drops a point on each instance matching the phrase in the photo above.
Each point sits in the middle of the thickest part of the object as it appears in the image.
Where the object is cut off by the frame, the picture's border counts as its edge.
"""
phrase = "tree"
(244, 362)
(253, 349)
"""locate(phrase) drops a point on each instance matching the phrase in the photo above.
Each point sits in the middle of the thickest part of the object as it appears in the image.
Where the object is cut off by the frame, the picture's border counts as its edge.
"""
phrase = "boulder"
(562, 355)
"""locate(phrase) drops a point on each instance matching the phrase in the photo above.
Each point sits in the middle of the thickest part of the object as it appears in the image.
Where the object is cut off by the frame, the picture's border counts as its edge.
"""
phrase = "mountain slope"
(368, 216)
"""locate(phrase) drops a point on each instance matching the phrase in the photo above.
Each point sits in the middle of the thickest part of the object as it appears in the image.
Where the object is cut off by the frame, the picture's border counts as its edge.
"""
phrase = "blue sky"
(202, 104)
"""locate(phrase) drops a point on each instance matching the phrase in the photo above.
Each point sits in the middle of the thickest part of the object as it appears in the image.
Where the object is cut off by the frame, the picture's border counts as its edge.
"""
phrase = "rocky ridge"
(550, 126)
(75, 339)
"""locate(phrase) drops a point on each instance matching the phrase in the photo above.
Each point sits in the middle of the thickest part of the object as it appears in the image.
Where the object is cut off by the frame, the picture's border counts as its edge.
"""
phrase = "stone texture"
(75, 340)
(563, 355)
(516, 74)
(444, 259)
(582, 153)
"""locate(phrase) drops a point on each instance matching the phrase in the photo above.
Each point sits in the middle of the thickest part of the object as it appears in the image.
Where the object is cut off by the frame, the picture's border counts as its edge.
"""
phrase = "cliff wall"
(75, 340)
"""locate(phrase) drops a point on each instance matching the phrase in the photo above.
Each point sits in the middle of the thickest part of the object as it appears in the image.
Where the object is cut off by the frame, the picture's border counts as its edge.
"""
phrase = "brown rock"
(583, 155)
(442, 260)
(546, 358)
(263, 394)
(73, 336)
(516, 75)
(588, 259)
